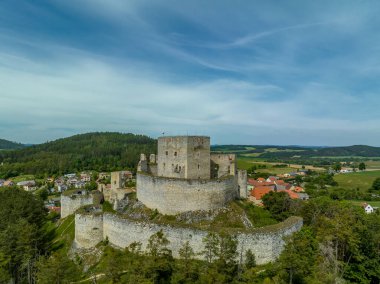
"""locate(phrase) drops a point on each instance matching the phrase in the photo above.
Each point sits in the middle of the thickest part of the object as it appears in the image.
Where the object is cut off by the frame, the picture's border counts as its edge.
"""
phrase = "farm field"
(373, 164)
(360, 202)
(244, 163)
(361, 180)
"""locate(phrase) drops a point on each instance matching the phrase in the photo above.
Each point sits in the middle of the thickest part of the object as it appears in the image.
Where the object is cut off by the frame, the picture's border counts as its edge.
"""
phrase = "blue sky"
(242, 72)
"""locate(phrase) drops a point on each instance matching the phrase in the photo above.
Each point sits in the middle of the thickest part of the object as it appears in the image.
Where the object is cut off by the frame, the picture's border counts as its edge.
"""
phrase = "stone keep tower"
(186, 177)
(185, 157)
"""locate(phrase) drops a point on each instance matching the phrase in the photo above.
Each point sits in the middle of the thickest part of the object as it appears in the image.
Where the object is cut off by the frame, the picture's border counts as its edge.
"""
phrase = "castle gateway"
(185, 176)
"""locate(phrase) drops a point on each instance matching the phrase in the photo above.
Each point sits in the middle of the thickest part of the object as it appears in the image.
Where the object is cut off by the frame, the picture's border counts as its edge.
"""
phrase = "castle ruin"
(185, 176)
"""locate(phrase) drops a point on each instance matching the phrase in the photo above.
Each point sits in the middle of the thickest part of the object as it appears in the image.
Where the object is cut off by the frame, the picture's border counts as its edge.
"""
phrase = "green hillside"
(5, 145)
(102, 151)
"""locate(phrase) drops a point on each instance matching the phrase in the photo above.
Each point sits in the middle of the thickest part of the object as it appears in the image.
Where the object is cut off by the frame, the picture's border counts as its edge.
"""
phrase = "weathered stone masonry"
(172, 196)
(70, 203)
(266, 243)
(187, 177)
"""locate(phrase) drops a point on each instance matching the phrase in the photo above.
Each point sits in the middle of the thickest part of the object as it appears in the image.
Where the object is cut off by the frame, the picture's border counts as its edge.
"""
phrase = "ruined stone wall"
(266, 243)
(223, 164)
(172, 196)
(88, 229)
(112, 195)
(184, 157)
(69, 204)
(242, 183)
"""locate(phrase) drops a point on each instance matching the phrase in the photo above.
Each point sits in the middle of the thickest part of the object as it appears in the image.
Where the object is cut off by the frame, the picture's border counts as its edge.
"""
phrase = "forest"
(338, 243)
(6, 145)
(100, 151)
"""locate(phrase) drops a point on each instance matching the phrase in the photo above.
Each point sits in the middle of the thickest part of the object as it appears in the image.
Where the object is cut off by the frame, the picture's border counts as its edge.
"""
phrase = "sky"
(243, 72)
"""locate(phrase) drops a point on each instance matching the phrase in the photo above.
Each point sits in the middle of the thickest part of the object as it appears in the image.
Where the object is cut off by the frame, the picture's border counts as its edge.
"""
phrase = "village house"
(104, 175)
(61, 187)
(8, 183)
(70, 175)
(80, 184)
(27, 185)
(258, 188)
(292, 194)
(53, 208)
(85, 177)
(72, 181)
(302, 173)
(282, 185)
(59, 181)
(297, 189)
(367, 208)
(258, 193)
(272, 179)
(303, 195)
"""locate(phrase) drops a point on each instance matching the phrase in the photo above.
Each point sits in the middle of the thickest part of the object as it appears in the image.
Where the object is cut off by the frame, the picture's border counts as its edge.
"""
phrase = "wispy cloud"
(260, 77)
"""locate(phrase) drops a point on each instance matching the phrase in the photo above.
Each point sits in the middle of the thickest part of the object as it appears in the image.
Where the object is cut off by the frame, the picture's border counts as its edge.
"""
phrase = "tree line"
(92, 151)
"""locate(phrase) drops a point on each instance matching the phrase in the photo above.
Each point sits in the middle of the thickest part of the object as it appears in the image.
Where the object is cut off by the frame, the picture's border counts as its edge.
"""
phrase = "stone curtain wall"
(69, 204)
(173, 196)
(88, 229)
(266, 243)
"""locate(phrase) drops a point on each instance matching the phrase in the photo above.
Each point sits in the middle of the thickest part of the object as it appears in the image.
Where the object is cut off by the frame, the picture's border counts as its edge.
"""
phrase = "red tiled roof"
(292, 194)
(260, 191)
(54, 208)
(298, 189)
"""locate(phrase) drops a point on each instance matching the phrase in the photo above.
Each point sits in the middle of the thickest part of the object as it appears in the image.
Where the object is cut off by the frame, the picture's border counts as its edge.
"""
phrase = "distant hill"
(289, 152)
(347, 151)
(102, 151)
(5, 145)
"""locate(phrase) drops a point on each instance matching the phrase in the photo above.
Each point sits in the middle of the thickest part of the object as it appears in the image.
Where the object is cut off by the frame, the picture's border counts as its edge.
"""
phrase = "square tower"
(116, 180)
(184, 157)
